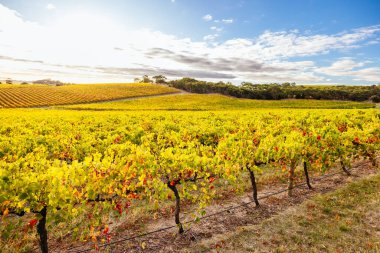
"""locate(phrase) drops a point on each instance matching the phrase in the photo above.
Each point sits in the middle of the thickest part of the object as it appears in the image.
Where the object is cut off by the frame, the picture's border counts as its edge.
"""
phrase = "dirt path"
(209, 229)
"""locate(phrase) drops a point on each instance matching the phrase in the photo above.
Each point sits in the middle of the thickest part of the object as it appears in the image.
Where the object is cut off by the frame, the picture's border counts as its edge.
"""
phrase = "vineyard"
(177, 126)
(59, 166)
(14, 96)
(196, 102)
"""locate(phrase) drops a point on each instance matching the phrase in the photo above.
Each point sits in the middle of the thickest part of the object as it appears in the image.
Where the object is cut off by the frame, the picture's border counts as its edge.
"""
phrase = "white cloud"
(367, 74)
(228, 21)
(348, 67)
(291, 76)
(78, 48)
(50, 6)
(341, 67)
(290, 44)
(373, 42)
(207, 17)
(210, 37)
(216, 29)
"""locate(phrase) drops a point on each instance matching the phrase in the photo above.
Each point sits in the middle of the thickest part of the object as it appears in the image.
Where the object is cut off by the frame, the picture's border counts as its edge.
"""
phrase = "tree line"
(272, 91)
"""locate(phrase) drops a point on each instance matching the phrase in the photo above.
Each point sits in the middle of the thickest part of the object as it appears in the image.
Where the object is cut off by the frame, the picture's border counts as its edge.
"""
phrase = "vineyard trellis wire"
(74, 250)
(71, 160)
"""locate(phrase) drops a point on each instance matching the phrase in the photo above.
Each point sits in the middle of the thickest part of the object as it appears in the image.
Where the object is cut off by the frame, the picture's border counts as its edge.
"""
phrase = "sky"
(94, 41)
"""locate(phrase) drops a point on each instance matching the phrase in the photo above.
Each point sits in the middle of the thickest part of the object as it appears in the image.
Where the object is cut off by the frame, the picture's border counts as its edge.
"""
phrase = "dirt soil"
(170, 241)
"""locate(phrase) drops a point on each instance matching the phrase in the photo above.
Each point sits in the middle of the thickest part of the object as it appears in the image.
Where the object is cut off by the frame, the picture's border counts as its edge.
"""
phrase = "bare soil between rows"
(170, 241)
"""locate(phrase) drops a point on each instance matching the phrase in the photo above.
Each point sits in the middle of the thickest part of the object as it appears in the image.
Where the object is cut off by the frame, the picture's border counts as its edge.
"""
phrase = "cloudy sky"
(302, 41)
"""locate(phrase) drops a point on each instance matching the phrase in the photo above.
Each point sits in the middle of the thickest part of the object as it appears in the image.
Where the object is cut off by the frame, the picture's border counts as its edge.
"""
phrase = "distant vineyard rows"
(43, 95)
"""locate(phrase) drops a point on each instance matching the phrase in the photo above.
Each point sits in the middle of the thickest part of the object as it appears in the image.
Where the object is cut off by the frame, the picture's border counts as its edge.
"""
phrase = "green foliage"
(159, 79)
(146, 79)
(275, 91)
(71, 161)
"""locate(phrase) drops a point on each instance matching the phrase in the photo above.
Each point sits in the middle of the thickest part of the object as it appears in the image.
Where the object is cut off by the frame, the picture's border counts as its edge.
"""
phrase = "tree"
(246, 85)
(146, 79)
(8, 81)
(375, 99)
(48, 82)
(160, 79)
(137, 80)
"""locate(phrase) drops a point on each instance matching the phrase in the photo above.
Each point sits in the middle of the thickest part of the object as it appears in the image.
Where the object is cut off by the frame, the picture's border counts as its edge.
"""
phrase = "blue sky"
(305, 41)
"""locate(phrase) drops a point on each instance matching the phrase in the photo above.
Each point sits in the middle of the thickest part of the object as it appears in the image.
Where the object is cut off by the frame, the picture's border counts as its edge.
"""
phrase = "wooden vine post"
(42, 231)
(307, 175)
(254, 185)
(291, 178)
(344, 168)
(172, 186)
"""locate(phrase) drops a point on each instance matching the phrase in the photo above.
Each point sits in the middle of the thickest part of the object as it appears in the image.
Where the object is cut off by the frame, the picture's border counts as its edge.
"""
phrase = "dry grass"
(346, 220)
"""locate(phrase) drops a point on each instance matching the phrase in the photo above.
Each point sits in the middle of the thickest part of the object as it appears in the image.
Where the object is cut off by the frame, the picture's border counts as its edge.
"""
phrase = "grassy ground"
(346, 220)
(217, 102)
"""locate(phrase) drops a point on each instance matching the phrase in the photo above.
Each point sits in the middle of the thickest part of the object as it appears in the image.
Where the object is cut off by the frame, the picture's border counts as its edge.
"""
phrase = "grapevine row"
(58, 165)
(38, 95)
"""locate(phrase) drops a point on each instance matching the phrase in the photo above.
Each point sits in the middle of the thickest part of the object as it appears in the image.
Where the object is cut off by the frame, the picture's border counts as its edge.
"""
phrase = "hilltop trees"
(275, 91)
(144, 79)
(375, 99)
(159, 79)
(48, 82)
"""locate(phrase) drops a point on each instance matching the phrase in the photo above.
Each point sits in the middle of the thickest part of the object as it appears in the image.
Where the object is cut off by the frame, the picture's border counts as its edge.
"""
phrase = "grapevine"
(56, 165)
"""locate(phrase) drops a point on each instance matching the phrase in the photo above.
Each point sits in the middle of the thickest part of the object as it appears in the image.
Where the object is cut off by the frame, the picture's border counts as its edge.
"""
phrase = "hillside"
(14, 96)
(204, 102)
